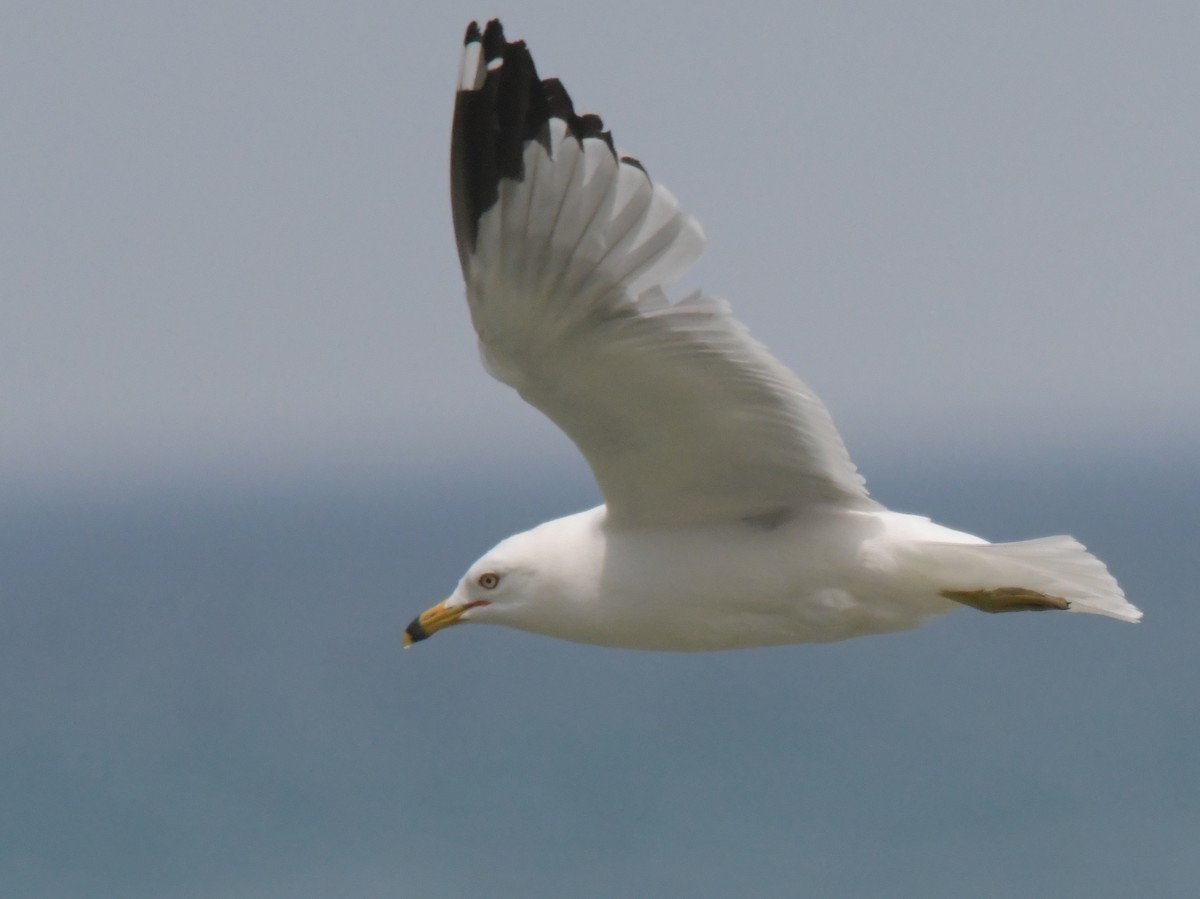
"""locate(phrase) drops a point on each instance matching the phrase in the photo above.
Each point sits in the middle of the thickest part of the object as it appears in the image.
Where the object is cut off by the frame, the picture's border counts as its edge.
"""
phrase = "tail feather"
(1056, 566)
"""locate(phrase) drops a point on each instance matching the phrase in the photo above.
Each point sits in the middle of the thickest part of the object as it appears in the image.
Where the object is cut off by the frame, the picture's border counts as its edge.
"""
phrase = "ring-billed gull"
(733, 515)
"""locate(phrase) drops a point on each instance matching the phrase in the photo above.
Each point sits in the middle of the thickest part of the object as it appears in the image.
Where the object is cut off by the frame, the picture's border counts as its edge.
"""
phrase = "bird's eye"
(488, 580)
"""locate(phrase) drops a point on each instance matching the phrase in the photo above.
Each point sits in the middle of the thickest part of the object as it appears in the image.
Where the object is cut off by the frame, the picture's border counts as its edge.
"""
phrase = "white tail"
(1056, 566)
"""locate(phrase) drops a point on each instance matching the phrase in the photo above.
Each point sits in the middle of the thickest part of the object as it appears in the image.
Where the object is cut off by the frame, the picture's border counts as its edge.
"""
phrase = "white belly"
(818, 579)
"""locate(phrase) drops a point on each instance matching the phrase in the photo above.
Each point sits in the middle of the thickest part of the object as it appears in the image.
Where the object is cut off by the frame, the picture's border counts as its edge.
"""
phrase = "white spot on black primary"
(499, 109)
(471, 73)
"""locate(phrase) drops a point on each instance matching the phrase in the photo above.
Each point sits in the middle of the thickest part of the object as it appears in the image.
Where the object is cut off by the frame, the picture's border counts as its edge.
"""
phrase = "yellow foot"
(1007, 599)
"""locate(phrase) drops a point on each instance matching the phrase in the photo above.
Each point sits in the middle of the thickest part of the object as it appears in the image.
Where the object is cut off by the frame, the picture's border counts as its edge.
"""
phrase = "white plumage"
(733, 515)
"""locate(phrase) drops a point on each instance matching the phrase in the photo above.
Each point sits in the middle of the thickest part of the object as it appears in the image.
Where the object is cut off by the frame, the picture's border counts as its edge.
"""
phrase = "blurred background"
(244, 438)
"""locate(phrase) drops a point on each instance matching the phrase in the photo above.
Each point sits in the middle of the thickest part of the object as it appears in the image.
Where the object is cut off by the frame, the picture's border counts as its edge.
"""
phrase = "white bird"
(733, 515)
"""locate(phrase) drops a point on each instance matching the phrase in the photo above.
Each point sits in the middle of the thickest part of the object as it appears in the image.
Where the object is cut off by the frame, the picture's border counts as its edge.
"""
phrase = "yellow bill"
(433, 620)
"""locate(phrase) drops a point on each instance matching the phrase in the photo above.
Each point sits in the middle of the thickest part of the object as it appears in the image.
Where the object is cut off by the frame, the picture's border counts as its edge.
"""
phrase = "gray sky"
(226, 247)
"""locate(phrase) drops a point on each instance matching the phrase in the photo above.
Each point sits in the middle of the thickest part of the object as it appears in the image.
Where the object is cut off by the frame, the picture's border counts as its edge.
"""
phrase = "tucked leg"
(1008, 599)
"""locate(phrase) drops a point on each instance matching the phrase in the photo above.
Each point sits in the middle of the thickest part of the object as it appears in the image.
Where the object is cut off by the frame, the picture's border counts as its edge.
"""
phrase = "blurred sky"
(225, 247)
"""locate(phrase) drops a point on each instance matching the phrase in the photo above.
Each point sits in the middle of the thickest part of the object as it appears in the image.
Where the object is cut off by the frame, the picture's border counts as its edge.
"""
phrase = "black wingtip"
(495, 117)
(494, 43)
(636, 163)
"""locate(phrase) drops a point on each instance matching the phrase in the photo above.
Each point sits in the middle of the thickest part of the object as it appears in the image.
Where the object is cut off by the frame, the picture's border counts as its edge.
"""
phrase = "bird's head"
(490, 591)
(533, 581)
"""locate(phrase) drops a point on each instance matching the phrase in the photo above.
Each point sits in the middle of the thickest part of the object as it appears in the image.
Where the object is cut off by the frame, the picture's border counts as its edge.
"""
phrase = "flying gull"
(733, 515)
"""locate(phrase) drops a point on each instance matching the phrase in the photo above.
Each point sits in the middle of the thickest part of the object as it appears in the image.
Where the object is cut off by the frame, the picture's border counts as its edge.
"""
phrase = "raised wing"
(565, 248)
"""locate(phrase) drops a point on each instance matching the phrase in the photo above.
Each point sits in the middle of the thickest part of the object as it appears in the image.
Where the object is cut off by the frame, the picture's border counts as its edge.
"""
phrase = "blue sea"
(202, 694)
